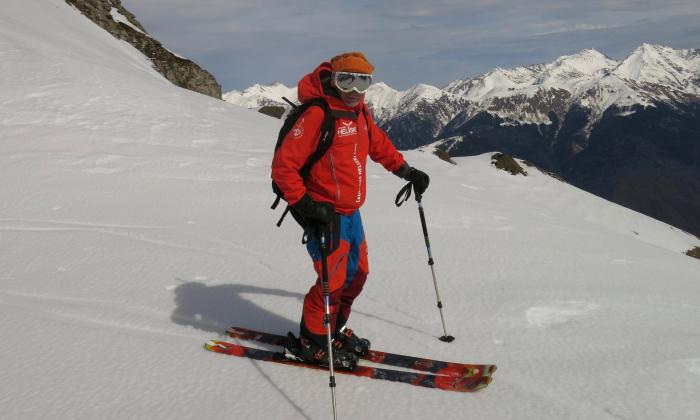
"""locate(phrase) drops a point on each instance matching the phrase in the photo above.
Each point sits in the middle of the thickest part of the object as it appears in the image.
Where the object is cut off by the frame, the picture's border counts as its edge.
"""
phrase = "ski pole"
(327, 318)
(406, 192)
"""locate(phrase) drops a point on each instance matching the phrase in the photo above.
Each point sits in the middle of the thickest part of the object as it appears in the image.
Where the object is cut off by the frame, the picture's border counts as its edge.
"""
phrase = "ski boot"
(345, 339)
(305, 350)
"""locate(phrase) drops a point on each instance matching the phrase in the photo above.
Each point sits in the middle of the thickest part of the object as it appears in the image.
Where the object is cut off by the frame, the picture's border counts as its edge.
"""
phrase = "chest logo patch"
(347, 129)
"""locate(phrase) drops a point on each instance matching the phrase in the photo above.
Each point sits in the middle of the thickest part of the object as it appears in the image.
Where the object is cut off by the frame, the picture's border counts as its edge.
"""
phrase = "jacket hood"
(317, 85)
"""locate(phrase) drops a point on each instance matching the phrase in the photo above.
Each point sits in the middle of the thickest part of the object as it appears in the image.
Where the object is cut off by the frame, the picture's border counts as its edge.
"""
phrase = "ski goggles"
(347, 82)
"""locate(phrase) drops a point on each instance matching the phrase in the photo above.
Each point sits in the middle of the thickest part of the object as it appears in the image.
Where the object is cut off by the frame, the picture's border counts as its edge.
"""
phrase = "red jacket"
(339, 177)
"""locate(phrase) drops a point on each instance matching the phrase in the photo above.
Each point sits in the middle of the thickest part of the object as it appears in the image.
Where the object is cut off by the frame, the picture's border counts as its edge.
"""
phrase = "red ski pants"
(347, 272)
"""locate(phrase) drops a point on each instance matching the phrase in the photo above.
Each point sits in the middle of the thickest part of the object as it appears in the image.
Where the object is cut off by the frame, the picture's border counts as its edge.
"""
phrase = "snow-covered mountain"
(587, 80)
(415, 116)
(257, 96)
(134, 227)
(550, 113)
(529, 94)
(419, 112)
(623, 130)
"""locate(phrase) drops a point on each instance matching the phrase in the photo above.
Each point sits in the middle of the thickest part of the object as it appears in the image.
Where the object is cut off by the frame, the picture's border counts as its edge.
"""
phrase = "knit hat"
(353, 62)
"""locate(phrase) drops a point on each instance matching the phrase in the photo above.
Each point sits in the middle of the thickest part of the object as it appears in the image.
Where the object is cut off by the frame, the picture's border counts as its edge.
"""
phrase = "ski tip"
(213, 344)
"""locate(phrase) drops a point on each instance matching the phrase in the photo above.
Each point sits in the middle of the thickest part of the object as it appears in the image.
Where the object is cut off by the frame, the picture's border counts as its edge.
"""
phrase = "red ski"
(446, 383)
(392, 359)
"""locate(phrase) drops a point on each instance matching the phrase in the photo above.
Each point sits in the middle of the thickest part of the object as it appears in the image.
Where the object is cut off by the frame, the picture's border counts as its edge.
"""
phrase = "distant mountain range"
(626, 130)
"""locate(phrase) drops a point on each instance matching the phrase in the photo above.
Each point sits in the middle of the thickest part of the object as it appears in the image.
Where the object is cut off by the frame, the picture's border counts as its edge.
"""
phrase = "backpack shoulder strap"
(326, 135)
(365, 113)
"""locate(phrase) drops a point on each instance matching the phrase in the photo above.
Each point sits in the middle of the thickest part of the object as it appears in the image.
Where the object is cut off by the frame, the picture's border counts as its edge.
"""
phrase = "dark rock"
(484, 132)
(507, 163)
(648, 161)
(273, 111)
(695, 252)
(444, 156)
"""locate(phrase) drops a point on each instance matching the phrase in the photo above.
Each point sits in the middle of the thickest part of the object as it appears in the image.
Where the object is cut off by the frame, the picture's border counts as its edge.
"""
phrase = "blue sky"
(409, 42)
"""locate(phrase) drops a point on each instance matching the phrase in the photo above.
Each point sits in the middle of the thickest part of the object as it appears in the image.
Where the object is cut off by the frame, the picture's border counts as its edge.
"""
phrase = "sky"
(435, 42)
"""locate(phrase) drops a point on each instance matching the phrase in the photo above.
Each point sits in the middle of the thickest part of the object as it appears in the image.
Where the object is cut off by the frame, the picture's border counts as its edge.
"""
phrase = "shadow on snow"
(215, 308)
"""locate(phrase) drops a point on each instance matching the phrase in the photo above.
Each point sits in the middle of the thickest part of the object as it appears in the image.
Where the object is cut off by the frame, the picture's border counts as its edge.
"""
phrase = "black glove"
(314, 212)
(419, 179)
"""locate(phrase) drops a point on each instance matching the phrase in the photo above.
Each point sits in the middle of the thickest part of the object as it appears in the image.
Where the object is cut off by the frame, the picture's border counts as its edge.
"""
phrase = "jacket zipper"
(335, 179)
(360, 174)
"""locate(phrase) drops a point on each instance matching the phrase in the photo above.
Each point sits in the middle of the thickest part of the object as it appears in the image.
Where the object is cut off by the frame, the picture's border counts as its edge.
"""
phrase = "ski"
(392, 359)
(427, 380)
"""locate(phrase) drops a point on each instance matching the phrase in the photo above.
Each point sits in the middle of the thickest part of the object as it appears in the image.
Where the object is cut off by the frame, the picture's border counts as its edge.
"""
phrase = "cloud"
(243, 42)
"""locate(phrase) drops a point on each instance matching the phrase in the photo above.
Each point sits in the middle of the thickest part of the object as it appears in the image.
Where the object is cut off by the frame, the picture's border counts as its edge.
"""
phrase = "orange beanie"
(354, 62)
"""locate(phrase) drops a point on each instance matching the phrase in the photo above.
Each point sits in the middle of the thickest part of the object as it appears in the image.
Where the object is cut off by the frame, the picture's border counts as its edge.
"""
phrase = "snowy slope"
(134, 226)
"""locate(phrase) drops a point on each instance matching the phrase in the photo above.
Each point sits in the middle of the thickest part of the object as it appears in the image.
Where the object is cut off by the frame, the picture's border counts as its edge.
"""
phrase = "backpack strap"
(365, 113)
(326, 136)
(325, 139)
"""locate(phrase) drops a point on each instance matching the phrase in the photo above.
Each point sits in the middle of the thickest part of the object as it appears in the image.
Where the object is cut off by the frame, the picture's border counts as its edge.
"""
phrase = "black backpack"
(324, 143)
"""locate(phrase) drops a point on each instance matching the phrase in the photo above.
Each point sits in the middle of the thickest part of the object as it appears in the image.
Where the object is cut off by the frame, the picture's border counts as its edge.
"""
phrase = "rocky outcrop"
(507, 163)
(115, 19)
(273, 111)
(695, 252)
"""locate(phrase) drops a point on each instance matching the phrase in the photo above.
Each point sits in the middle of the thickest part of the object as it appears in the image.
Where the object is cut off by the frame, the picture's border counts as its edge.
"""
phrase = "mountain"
(625, 130)
(530, 94)
(413, 117)
(134, 227)
(114, 18)
(589, 79)
(542, 94)
(258, 96)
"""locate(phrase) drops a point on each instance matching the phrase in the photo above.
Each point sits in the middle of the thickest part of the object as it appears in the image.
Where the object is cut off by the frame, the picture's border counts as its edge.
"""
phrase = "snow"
(589, 78)
(386, 101)
(660, 65)
(134, 227)
(592, 79)
(118, 17)
(258, 95)
(578, 74)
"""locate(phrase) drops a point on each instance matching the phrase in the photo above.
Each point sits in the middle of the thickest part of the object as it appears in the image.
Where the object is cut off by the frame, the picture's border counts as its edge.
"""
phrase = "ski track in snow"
(76, 312)
(121, 231)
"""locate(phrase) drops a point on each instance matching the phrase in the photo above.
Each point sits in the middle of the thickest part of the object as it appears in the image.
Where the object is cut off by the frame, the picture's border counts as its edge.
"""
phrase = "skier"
(331, 196)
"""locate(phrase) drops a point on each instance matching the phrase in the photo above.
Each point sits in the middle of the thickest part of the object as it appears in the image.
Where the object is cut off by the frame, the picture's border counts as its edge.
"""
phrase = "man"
(332, 194)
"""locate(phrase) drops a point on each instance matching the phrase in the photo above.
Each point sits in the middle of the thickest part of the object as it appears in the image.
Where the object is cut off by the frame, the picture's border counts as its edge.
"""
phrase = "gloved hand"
(314, 212)
(419, 179)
